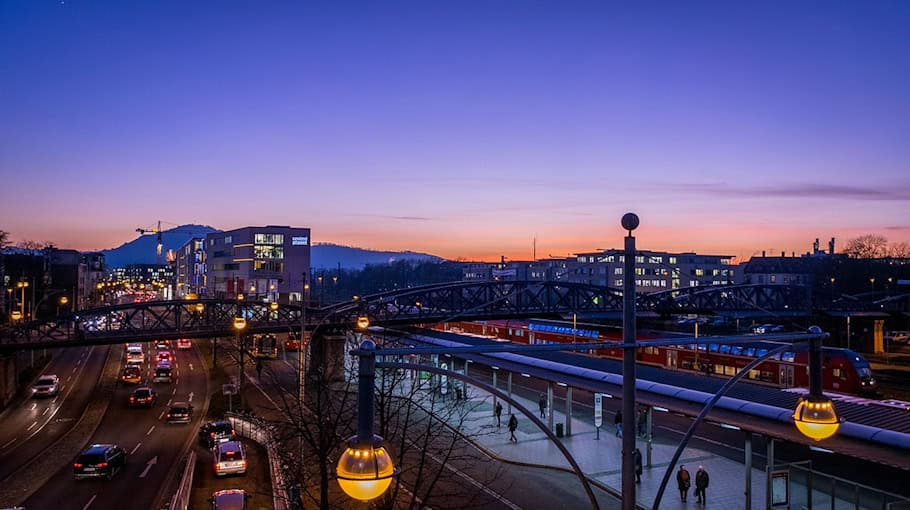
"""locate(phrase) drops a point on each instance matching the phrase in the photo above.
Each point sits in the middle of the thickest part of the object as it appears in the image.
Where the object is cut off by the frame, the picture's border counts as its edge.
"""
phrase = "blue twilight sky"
(464, 129)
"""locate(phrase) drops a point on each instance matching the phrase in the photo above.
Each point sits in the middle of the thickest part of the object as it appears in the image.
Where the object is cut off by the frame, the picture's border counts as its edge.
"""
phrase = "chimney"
(815, 246)
(783, 254)
(831, 247)
(763, 253)
(793, 254)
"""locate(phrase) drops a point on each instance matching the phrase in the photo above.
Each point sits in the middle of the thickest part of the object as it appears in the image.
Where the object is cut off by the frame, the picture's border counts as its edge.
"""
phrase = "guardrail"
(181, 499)
(260, 431)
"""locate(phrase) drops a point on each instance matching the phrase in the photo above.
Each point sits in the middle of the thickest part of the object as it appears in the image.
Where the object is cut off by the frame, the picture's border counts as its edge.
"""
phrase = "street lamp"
(239, 326)
(22, 285)
(62, 302)
(365, 469)
(815, 416)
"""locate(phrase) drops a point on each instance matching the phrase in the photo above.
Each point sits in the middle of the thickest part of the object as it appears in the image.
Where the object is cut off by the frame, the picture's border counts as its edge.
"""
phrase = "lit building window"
(268, 239)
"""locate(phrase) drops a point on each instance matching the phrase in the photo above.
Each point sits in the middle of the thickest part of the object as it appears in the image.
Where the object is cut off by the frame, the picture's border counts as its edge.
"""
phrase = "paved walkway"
(600, 459)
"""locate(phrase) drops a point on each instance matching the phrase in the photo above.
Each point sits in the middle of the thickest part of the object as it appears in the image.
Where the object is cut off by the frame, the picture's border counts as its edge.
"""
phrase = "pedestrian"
(637, 455)
(682, 481)
(617, 420)
(498, 412)
(259, 368)
(542, 403)
(513, 424)
(701, 483)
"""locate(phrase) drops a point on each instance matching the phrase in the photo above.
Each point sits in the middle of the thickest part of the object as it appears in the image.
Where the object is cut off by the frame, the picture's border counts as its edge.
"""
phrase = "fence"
(181, 499)
(260, 431)
(810, 489)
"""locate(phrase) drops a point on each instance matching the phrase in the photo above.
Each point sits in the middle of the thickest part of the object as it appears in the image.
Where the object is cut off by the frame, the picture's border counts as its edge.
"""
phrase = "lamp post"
(239, 326)
(22, 285)
(629, 222)
(365, 469)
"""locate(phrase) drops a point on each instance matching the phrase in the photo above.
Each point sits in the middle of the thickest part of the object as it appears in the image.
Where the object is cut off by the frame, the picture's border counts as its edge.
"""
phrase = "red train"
(843, 370)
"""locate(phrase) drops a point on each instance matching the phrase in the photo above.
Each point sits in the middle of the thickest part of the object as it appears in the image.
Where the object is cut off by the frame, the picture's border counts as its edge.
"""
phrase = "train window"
(691, 347)
(736, 350)
(713, 347)
(766, 376)
(839, 373)
(728, 370)
(788, 356)
(761, 352)
(719, 369)
(749, 351)
(753, 374)
(725, 349)
(702, 347)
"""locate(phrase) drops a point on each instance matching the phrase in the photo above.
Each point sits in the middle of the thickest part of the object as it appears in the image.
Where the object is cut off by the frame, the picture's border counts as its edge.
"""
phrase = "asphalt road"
(154, 446)
(33, 425)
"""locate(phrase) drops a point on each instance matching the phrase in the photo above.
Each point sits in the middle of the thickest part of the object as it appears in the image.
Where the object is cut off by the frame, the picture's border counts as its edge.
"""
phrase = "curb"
(24, 482)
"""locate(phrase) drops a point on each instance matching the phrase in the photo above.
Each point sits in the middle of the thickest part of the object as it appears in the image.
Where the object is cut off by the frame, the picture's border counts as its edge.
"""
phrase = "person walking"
(259, 368)
(542, 404)
(701, 484)
(638, 469)
(642, 422)
(683, 482)
(513, 424)
(498, 412)
(618, 422)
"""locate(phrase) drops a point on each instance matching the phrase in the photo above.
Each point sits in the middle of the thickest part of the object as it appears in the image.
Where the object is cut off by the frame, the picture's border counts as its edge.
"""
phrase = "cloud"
(800, 190)
(899, 228)
(402, 218)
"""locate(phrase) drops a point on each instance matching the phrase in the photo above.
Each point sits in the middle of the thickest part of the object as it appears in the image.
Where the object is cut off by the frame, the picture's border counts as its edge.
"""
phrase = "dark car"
(216, 432)
(99, 461)
(143, 397)
(230, 499)
(180, 412)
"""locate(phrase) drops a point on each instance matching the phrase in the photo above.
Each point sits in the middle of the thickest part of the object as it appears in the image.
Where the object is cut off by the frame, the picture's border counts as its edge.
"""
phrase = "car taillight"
(243, 464)
(132, 399)
(77, 465)
(233, 433)
(218, 467)
(103, 464)
(212, 435)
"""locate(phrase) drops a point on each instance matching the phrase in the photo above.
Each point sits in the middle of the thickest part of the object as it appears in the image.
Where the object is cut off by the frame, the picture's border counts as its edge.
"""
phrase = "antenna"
(534, 256)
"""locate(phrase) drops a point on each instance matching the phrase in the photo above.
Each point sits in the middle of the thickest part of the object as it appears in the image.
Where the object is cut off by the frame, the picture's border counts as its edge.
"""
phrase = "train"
(843, 370)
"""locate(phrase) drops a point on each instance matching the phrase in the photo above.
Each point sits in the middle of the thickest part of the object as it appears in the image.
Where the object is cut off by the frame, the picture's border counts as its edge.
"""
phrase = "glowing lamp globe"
(239, 323)
(816, 418)
(365, 471)
(363, 322)
(200, 307)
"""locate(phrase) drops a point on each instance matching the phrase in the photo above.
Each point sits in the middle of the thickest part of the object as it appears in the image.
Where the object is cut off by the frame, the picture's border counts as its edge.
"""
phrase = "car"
(229, 459)
(47, 385)
(131, 374)
(229, 499)
(134, 354)
(163, 344)
(162, 375)
(143, 397)
(163, 364)
(180, 412)
(184, 343)
(99, 461)
(215, 432)
(164, 356)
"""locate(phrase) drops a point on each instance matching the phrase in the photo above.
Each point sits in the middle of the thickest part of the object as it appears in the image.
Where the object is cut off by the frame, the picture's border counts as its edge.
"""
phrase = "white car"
(134, 354)
(46, 386)
(229, 459)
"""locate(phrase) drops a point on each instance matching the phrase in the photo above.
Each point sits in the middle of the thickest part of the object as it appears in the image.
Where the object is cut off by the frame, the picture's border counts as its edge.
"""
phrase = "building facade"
(654, 270)
(261, 263)
(189, 268)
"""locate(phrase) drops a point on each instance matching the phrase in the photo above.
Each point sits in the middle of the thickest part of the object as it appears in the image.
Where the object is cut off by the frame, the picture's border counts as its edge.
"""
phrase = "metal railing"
(810, 489)
(181, 499)
(260, 431)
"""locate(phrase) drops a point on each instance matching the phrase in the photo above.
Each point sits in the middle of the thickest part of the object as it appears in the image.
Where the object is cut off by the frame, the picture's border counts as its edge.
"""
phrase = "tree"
(899, 250)
(4, 239)
(869, 246)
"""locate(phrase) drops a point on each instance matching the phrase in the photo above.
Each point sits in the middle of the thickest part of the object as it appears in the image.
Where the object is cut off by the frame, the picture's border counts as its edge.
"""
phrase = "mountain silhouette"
(322, 256)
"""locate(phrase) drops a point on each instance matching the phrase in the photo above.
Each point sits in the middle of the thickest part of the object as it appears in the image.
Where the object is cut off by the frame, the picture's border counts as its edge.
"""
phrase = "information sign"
(598, 410)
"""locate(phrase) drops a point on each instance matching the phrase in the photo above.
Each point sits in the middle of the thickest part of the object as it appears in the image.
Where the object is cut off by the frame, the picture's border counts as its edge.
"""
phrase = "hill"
(324, 256)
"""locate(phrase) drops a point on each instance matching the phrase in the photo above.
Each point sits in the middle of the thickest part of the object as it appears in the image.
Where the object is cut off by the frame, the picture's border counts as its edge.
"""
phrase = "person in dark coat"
(618, 422)
(513, 425)
(701, 484)
(542, 403)
(638, 468)
(683, 482)
(498, 412)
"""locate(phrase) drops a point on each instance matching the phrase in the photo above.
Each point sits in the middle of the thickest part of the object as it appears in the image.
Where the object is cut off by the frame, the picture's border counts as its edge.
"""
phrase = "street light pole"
(304, 346)
(630, 223)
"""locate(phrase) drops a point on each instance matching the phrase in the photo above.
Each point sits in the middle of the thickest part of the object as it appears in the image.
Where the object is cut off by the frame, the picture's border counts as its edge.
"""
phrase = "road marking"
(90, 502)
(68, 378)
(11, 441)
(174, 392)
(191, 366)
(169, 402)
(161, 416)
(30, 427)
(191, 396)
(150, 431)
(34, 405)
(46, 409)
(148, 466)
(74, 369)
(136, 448)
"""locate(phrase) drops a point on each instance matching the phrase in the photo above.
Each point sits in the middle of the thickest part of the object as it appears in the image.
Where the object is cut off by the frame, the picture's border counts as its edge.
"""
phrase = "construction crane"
(154, 230)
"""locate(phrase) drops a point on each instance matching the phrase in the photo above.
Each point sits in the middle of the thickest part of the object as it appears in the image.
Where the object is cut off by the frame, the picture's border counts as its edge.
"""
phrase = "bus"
(265, 346)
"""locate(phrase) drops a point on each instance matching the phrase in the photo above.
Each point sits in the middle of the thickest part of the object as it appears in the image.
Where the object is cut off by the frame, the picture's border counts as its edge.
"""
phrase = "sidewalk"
(600, 459)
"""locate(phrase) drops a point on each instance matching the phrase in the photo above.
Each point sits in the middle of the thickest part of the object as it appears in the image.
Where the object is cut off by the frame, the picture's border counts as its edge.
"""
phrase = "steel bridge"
(417, 305)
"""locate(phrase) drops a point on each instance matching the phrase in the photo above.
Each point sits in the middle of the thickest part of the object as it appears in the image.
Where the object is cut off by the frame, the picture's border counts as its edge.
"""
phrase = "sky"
(462, 129)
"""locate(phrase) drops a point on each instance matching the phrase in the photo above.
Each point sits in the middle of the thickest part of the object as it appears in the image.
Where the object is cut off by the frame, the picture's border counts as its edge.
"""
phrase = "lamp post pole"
(304, 347)
(630, 223)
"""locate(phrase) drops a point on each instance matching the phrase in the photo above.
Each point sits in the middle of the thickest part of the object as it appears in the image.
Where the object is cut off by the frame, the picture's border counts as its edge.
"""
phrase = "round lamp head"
(15, 315)
(199, 307)
(239, 323)
(365, 469)
(64, 300)
(363, 322)
(815, 417)
(273, 306)
(630, 221)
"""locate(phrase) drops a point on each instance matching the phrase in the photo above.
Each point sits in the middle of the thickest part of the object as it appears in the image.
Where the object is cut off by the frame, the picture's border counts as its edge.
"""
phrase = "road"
(34, 424)
(154, 446)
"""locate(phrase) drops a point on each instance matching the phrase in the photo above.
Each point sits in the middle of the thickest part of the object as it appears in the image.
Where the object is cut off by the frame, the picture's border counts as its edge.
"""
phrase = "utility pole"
(630, 223)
